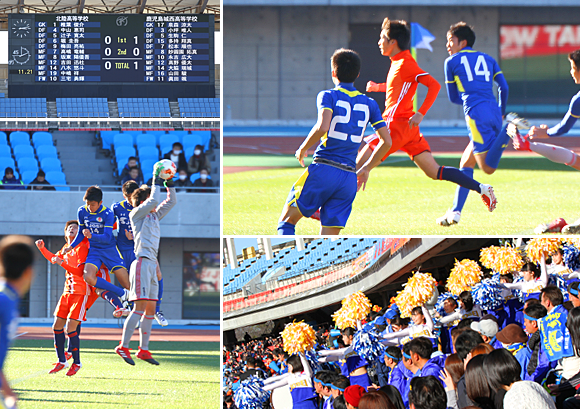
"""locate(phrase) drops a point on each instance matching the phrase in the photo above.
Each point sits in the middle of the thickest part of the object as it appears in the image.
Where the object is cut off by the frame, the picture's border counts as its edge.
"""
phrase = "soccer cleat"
(145, 355)
(488, 196)
(59, 366)
(161, 319)
(316, 215)
(74, 369)
(555, 226)
(449, 218)
(518, 121)
(125, 296)
(125, 354)
(68, 356)
(121, 312)
(571, 229)
(521, 143)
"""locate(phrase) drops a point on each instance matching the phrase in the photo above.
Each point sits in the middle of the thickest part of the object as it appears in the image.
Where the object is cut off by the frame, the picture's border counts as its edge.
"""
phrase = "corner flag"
(421, 37)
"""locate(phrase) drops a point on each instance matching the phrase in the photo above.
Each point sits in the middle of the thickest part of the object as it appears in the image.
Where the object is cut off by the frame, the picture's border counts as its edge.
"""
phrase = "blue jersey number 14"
(480, 68)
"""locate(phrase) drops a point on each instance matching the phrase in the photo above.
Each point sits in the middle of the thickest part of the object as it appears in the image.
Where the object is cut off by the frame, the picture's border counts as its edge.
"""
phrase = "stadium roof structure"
(111, 6)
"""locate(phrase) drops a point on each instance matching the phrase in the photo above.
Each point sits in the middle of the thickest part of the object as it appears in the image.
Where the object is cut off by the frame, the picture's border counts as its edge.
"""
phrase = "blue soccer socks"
(105, 285)
(496, 150)
(75, 344)
(159, 296)
(286, 229)
(461, 192)
(59, 344)
(456, 176)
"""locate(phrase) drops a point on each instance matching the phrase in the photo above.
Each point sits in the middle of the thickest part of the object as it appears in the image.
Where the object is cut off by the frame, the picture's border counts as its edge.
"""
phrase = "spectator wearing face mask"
(177, 156)
(204, 182)
(198, 160)
(182, 181)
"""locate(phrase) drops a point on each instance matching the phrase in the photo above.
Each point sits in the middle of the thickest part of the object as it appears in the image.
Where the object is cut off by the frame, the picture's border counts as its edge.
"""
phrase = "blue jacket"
(401, 379)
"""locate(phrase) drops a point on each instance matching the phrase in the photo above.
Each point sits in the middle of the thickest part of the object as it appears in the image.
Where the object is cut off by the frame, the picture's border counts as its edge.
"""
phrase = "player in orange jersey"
(76, 299)
(403, 123)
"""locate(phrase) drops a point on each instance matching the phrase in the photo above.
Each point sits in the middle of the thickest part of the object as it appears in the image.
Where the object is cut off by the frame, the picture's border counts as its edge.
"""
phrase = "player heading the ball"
(330, 182)
(145, 216)
(402, 81)
(96, 223)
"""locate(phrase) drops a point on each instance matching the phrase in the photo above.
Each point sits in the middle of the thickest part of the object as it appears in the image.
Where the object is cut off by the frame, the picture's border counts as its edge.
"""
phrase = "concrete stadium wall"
(276, 59)
(170, 260)
(399, 264)
(196, 215)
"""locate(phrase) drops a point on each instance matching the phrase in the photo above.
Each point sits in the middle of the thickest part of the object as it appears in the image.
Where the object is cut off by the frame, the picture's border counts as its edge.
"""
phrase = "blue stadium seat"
(107, 138)
(46, 151)
(167, 140)
(147, 168)
(148, 153)
(3, 138)
(28, 176)
(50, 165)
(27, 164)
(124, 152)
(192, 140)
(122, 139)
(41, 138)
(146, 139)
(5, 152)
(23, 151)
(57, 178)
(6, 162)
(19, 138)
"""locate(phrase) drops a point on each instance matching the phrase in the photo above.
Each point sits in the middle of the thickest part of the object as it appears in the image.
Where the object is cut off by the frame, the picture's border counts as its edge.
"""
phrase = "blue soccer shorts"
(324, 187)
(128, 256)
(110, 257)
(484, 123)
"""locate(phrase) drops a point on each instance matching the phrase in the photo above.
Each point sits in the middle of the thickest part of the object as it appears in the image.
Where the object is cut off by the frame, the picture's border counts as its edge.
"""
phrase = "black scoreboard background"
(111, 55)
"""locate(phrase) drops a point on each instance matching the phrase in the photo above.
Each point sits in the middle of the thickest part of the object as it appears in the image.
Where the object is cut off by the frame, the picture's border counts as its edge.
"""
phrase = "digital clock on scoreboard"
(103, 50)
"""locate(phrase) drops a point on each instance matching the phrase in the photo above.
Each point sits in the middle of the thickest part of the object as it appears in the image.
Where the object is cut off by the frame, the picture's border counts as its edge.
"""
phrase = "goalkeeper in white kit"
(145, 216)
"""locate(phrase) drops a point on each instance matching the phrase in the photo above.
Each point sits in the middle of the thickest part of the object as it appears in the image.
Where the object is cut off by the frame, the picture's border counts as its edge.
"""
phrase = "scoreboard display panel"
(122, 55)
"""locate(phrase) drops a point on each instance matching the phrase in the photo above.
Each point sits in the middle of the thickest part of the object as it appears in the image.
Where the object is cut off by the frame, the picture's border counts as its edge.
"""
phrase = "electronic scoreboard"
(111, 55)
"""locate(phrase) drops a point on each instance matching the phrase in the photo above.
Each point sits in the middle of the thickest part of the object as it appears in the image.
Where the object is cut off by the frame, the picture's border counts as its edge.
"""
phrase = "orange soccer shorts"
(93, 296)
(410, 141)
(73, 306)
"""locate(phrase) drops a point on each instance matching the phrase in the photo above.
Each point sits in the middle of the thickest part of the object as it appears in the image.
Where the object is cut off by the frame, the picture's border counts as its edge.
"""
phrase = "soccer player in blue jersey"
(96, 223)
(330, 182)
(16, 273)
(125, 242)
(469, 77)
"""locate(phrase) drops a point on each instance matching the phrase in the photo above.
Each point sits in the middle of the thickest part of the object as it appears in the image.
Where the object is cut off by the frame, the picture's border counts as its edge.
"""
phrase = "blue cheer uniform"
(125, 246)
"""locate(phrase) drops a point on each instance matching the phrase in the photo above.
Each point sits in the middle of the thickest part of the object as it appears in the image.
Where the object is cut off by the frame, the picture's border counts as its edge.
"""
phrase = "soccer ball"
(168, 169)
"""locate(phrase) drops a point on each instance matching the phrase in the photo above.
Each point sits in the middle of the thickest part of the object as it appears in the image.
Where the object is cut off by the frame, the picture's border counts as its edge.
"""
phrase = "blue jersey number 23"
(345, 119)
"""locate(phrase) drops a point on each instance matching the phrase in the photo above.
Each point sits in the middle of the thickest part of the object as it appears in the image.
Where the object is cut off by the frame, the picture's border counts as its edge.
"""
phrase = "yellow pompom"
(575, 241)
(503, 260)
(298, 337)
(416, 292)
(541, 246)
(463, 275)
(355, 307)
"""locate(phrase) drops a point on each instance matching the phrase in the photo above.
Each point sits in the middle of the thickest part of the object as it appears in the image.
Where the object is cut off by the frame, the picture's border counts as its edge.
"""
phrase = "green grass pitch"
(188, 376)
(401, 200)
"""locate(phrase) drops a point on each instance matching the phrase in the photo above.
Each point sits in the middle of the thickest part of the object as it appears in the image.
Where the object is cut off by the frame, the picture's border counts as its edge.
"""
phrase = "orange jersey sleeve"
(47, 254)
(433, 90)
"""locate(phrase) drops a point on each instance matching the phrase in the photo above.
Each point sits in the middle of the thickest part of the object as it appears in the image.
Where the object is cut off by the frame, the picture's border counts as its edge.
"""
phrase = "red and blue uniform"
(569, 119)
(330, 183)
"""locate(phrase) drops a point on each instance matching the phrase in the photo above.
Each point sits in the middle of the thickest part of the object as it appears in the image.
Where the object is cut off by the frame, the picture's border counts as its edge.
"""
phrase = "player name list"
(95, 48)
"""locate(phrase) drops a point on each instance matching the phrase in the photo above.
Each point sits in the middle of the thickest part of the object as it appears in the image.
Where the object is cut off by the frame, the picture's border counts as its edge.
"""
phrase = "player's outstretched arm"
(378, 154)
(47, 254)
(164, 207)
(433, 88)
(450, 318)
(318, 130)
(428, 318)
(563, 127)
(374, 87)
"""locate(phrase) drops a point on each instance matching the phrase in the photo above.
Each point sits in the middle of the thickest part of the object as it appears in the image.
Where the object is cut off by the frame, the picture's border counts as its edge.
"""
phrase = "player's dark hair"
(394, 351)
(400, 321)
(533, 268)
(532, 301)
(296, 363)
(16, 255)
(131, 158)
(553, 294)
(406, 351)
(345, 64)
(394, 396)
(467, 300)
(341, 382)
(129, 187)
(94, 194)
(476, 384)
(466, 341)
(575, 56)
(426, 392)
(502, 368)
(134, 168)
(417, 310)
(398, 30)
(178, 144)
(140, 195)
(465, 323)
(421, 346)
(573, 324)
(536, 311)
(339, 402)
(453, 301)
(40, 173)
(251, 361)
(509, 278)
(463, 32)
(349, 331)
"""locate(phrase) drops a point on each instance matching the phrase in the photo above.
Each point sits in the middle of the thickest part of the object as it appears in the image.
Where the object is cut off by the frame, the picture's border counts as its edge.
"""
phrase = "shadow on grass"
(159, 380)
(89, 392)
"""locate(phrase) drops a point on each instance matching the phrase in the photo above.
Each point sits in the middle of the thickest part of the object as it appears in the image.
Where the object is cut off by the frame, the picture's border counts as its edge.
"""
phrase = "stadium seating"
(199, 107)
(19, 138)
(50, 165)
(82, 107)
(27, 164)
(28, 176)
(107, 139)
(23, 108)
(122, 139)
(319, 254)
(5, 151)
(143, 107)
(46, 151)
(197, 138)
(146, 139)
(6, 162)
(41, 139)
(23, 151)
(57, 178)
(3, 138)
(166, 141)
(147, 168)
(148, 153)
